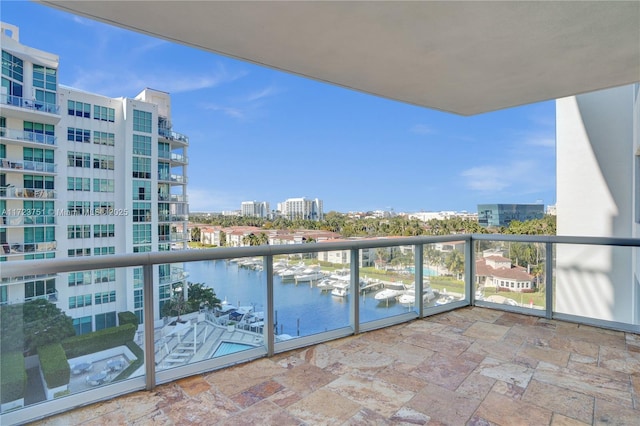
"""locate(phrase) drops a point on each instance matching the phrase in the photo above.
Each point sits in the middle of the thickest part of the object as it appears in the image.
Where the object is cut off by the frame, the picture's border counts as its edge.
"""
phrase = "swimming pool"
(226, 348)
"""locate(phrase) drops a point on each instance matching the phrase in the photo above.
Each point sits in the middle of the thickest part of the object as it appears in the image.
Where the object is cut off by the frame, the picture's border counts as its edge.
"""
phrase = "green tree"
(198, 296)
(35, 323)
(195, 234)
(455, 262)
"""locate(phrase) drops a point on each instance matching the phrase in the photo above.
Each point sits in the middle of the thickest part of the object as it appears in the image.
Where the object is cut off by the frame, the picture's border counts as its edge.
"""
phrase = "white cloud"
(263, 93)
(422, 129)
(485, 179)
(229, 111)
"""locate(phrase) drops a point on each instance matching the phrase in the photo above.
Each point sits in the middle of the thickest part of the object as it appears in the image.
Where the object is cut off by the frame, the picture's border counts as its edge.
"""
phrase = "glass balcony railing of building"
(179, 158)
(31, 104)
(23, 220)
(16, 248)
(21, 135)
(243, 303)
(172, 218)
(173, 136)
(28, 165)
(13, 192)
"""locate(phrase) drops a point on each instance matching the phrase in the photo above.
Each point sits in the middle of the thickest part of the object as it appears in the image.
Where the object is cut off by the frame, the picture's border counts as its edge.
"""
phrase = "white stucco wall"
(595, 197)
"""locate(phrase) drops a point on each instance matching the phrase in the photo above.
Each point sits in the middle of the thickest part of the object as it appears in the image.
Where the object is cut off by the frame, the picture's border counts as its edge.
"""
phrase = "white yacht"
(340, 289)
(409, 296)
(390, 292)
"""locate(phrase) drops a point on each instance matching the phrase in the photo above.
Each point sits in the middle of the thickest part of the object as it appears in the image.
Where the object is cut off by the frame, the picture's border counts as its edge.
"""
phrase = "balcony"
(27, 166)
(13, 192)
(29, 137)
(27, 220)
(174, 236)
(173, 136)
(475, 358)
(9, 248)
(29, 104)
(172, 217)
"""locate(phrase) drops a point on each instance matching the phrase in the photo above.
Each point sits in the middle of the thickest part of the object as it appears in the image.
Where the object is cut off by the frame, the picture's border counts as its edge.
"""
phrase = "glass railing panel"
(511, 273)
(386, 275)
(597, 282)
(443, 272)
(27, 136)
(310, 294)
(69, 333)
(223, 312)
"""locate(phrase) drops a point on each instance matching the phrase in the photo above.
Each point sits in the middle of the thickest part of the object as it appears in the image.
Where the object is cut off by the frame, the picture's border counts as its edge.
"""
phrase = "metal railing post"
(548, 286)
(269, 329)
(355, 291)
(469, 270)
(419, 277)
(149, 336)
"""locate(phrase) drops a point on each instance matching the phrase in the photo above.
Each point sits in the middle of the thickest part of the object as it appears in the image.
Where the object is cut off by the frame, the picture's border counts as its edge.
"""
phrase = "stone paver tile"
(560, 400)
(261, 413)
(168, 394)
(546, 354)
(486, 331)
(377, 395)
(635, 384)
(633, 342)
(399, 375)
(322, 355)
(598, 371)
(193, 385)
(324, 407)
(452, 345)
(444, 406)
(406, 353)
(157, 418)
(140, 404)
(503, 410)
(383, 336)
(596, 386)
(579, 347)
(305, 378)
(201, 409)
(500, 350)
(113, 419)
(515, 374)
(586, 333)
(367, 360)
(521, 332)
(446, 371)
(560, 420)
(257, 393)
(478, 314)
(408, 416)
(285, 397)
(83, 414)
(509, 319)
(235, 379)
(508, 389)
(367, 417)
(619, 360)
(607, 413)
(476, 386)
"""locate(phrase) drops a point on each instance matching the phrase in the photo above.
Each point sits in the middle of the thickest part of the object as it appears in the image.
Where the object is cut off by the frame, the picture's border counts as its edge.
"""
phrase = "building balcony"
(28, 138)
(475, 358)
(173, 237)
(177, 275)
(173, 137)
(20, 249)
(28, 166)
(27, 220)
(173, 217)
(30, 106)
(13, 192)
(173, 178)
(20, 279)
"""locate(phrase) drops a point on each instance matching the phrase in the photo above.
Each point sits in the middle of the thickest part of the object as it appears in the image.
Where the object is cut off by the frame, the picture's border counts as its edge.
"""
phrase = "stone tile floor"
(471, 366)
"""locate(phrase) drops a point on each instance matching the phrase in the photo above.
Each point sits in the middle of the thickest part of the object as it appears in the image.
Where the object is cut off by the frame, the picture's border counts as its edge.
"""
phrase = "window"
(106, 320)
(12, 74)
(78, 231)
(164, 150)
(39, 132)
(78, 208)
(105, 275)
(138, 304)
(103, 251)
(78, 252)
(142, 190)
(40, 234)
(142, 212)
(103, 138)
(38, 182)
(79, 278)
(103, 185)
(78, 184)
(103, 231)
(105, 297)
(104, 113)
(78, 159)
(141, 234)
(141, 121)
(78, 135)
(82, 325)
(3, 151)
(38, 155)
(45, 210)
(79, 301)
(104, 162)
(39, 288)
(141, 167)
(45, 84)
(102, 207)
(79, 109)
(142, 145)
(142, 249)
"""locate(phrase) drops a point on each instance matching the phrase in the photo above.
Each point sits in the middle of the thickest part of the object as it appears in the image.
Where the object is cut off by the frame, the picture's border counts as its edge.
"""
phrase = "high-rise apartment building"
(83, 174)
(255, 208)
(301, 208)
(504, 214)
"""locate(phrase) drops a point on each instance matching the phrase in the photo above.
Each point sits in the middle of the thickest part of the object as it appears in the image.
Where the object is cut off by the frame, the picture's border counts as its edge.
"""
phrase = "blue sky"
(260, 134)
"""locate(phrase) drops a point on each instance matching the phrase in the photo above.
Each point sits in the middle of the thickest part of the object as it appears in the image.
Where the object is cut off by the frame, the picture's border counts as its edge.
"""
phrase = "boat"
(444, 299)
(309, 274)
(340, 289)
(409, 297)
(326, 284)
(390, 292)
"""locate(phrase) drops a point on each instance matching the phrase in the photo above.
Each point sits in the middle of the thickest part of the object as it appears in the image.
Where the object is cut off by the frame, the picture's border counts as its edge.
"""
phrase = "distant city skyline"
(261, 134)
